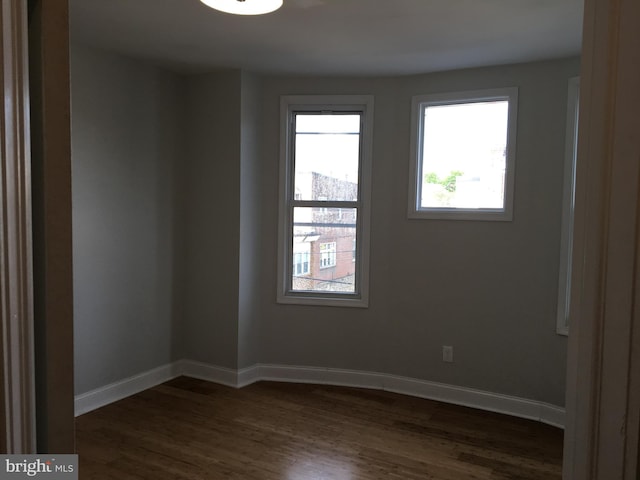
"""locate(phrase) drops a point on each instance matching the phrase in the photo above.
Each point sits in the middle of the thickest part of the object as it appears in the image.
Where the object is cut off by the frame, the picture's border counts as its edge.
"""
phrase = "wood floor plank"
(196, 430)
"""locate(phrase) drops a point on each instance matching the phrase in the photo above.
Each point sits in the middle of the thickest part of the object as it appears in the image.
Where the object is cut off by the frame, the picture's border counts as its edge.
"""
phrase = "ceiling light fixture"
(244, 7)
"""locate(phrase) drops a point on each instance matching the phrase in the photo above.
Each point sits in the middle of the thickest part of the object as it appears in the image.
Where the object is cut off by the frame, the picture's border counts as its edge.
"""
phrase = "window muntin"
(325, 167)
(463, 154)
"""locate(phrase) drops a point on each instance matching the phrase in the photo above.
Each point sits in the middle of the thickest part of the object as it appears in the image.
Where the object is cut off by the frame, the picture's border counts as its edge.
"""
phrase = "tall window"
(324, 211)
(463, 155)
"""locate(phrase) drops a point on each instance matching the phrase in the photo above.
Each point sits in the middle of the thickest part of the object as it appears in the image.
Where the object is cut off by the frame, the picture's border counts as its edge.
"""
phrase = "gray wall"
(212, 218)
(251, 251)
(487, 288)
(125, 137)
(221, 208)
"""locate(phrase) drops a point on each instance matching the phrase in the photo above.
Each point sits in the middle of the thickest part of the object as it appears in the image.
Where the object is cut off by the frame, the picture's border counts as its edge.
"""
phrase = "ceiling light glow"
(244, 7)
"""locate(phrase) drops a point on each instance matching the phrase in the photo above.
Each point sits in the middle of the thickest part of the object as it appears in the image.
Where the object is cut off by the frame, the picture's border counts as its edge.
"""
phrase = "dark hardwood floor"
(191, 429)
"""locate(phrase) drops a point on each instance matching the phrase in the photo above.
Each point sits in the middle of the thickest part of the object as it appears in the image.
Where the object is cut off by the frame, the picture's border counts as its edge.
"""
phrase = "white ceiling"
(358, 37)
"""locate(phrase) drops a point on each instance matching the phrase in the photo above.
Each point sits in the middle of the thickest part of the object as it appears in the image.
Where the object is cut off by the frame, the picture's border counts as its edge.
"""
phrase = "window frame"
(306, 255)
(331, 254)
(289, 106)
(418, 105)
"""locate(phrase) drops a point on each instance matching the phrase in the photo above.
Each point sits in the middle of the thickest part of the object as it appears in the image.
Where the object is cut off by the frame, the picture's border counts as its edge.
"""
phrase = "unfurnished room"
(330, 239)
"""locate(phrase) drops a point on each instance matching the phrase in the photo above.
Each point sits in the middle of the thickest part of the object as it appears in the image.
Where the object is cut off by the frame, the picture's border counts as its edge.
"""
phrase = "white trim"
(482, 400)
(415, 211)
(602, 439)
(568, 196)
(121, 389)
(113, 392)
(469, 397)
(212, 373)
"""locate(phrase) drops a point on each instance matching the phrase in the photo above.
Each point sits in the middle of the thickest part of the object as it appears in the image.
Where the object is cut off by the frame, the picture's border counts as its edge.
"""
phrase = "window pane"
(464, 155)
(327, 123)
(327, 150)
(327, 236)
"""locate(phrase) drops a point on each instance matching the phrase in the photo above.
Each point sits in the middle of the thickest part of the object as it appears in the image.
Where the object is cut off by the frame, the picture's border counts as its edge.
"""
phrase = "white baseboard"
(211, 373)
(494, 402)
(124, 388)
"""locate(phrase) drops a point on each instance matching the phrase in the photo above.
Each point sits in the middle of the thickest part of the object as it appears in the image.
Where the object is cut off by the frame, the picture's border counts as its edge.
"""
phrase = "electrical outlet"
(447, 354)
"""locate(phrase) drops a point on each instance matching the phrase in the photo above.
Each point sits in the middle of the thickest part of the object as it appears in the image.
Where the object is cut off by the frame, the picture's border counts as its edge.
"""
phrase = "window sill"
(318, 301)
(461, 214)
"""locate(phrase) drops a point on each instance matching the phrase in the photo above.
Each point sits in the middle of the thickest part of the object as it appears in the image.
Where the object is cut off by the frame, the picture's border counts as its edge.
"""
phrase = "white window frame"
(418, 105)
(302, 255)
(289, 105)
(568, 203)
(330, 253)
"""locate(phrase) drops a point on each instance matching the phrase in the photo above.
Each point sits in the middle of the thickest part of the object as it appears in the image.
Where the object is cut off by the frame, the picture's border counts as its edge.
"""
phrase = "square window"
(463, 155)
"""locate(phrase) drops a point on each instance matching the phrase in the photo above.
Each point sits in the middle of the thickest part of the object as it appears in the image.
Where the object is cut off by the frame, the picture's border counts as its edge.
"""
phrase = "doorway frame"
(16, 267)
(603, 358)
(603, 367)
